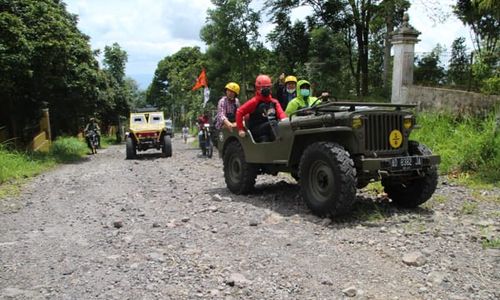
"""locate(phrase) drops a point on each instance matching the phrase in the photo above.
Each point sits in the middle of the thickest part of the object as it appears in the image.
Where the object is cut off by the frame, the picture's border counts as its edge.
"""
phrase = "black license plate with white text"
(406, 163)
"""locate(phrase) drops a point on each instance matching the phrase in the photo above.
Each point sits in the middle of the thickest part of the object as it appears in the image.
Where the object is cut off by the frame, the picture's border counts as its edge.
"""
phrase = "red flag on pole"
(201, 81)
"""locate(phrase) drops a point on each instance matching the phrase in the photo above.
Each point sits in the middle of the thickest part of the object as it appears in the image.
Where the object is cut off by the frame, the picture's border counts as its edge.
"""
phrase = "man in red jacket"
(263, 110)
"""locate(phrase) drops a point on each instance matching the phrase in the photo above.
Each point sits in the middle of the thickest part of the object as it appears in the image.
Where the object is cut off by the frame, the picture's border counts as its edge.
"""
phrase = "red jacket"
(251, 105)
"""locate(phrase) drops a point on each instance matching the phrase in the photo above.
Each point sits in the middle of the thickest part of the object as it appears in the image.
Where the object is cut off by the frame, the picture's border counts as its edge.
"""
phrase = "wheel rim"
(234, 168)
(321, 181)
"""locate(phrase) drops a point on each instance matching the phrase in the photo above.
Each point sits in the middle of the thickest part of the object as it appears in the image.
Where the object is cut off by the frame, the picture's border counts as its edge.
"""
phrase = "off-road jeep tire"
(417, 191)
(238, 174)
(130, 148)
(327, 179)
(167, 146)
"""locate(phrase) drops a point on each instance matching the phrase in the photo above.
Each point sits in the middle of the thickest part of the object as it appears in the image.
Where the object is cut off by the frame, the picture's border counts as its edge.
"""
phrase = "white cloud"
(432, 31)
(149, 30)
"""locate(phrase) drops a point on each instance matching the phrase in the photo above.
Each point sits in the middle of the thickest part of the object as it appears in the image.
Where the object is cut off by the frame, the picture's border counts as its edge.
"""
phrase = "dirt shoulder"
(167, 228)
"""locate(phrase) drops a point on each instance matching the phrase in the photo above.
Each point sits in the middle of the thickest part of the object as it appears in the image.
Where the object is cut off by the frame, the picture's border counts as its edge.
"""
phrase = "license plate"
(406, 163)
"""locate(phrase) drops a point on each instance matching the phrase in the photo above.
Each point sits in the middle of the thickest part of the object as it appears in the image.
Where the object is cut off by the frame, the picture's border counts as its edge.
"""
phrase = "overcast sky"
(149, 30)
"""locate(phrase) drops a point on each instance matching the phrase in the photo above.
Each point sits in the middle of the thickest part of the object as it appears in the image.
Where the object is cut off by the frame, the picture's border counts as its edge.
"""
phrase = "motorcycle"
(93, 141)
(206, 144)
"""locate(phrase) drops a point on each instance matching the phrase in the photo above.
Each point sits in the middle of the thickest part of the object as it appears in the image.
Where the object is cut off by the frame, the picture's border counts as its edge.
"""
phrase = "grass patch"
(16, 166)
(369, 212)
(435, 200)
(468, 146)
(107, 140)
(493, 243)
(374, 188)
(11, 188)
(68, 149)
(481, 195)
(468, 208)
(440, 199)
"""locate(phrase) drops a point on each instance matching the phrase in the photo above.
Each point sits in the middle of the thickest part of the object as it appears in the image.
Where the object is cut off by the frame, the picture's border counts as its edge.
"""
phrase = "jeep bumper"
(398, 164)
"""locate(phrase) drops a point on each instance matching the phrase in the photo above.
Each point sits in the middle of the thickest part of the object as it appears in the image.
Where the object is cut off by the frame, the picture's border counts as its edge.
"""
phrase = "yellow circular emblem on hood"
(395, 138)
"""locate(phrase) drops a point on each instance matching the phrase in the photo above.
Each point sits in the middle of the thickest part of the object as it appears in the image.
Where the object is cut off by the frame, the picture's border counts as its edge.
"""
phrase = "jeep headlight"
(408, 122)
(357, 122)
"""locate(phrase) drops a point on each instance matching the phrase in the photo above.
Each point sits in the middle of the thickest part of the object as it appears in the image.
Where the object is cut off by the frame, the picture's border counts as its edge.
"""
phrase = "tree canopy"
(45, 61)
(341, 46)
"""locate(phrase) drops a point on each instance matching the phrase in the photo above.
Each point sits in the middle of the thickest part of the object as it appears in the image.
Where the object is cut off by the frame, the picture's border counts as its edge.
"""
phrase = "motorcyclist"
(226, 109)
(286, 89)
(263, 110)
(202, 120)
(92, 126)
(304, 98)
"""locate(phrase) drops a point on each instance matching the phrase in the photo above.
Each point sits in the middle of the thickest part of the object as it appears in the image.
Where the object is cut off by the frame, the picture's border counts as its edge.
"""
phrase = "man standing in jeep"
(264, 111)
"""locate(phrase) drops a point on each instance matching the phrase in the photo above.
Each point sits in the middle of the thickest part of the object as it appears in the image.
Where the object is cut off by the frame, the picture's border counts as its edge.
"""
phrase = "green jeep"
(147, 131)
(334, 149)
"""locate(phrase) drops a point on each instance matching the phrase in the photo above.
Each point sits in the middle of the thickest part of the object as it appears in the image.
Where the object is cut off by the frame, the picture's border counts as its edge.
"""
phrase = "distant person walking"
(185, 133)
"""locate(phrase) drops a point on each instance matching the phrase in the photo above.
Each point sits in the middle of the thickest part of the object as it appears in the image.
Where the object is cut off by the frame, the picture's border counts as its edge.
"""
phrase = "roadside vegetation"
(469, 146)
(16, 165)
(107, 140)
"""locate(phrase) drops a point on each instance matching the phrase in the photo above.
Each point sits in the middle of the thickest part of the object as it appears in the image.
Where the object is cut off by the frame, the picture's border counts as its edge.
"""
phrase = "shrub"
(18, 165)
(491, 86)
(465, 144)
(68, 149)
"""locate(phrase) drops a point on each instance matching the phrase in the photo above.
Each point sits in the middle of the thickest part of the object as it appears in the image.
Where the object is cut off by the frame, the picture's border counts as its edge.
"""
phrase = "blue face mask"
(305, 92)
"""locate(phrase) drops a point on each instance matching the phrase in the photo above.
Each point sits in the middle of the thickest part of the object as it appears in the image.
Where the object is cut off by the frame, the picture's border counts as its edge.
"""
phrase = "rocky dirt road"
(167, 228)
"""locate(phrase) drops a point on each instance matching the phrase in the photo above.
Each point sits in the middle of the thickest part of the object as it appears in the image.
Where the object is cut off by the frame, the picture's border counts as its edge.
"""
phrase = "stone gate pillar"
(45, 123)
(403, 42)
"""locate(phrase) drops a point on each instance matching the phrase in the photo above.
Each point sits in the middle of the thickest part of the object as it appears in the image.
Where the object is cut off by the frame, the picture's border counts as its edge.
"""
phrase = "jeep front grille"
(377, 130)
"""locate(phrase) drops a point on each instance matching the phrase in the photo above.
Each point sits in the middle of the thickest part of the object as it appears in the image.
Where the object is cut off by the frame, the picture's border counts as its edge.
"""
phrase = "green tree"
(459, 63)
(484, 19)
(352, 18)
(428, 70)
(327, 67)
(231, 33)
(174, 77)
(51, 65)
(115, 59)
(290, 43)
(387, 15)
(15, 49)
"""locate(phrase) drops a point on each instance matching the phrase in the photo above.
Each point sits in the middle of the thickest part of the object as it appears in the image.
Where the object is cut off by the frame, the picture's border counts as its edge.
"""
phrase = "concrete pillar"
(45, 123)
(403, 42)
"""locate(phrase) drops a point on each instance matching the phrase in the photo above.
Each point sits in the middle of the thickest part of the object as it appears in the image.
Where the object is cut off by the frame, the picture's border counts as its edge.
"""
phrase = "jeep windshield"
(139, 120)
(155, 119)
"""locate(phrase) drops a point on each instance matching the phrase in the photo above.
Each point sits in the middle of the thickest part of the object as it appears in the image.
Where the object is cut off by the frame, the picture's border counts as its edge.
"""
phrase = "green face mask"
(305, 92)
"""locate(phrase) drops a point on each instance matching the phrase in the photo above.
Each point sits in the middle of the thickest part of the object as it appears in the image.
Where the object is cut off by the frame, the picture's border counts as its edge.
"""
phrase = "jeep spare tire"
(327, 179)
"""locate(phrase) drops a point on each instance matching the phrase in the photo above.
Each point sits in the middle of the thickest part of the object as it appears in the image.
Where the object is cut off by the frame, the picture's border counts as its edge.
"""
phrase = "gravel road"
(167, 228)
